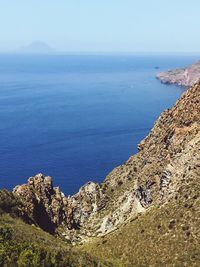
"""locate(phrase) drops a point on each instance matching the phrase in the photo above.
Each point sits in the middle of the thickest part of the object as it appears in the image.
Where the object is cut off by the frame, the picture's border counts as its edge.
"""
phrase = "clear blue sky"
(102, 25)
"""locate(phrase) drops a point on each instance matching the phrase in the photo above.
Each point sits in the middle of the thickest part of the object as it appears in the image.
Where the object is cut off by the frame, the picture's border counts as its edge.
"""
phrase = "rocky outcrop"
(46, 204)
(184, 77)
(149, 178)
(50, 208)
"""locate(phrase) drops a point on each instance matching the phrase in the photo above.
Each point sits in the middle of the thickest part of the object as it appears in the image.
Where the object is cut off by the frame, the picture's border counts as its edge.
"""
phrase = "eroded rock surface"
(46, 204)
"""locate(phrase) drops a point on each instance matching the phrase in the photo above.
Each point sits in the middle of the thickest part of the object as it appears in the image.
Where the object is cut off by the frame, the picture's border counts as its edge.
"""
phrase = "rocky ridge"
(184, 76)
(151, 177)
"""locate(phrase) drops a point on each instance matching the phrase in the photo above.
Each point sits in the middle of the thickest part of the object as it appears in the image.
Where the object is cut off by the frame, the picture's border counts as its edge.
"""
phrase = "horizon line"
(60, 52)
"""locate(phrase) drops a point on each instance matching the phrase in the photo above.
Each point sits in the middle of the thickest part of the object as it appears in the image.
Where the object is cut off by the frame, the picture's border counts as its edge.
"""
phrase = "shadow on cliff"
(41, 217)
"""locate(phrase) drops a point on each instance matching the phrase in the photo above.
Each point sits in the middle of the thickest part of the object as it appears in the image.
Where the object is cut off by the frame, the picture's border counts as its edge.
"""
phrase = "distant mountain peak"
(37, 47)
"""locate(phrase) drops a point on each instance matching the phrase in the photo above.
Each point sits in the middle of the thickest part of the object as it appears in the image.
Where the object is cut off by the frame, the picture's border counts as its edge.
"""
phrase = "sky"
(102, 25)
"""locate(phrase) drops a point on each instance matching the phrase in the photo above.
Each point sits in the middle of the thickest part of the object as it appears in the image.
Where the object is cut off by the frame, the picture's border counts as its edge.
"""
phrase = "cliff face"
(168, 157)
(45, 204)
(184, 77)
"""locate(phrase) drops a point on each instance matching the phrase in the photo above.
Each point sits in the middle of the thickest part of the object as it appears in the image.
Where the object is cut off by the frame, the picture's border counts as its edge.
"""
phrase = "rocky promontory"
(185, 77)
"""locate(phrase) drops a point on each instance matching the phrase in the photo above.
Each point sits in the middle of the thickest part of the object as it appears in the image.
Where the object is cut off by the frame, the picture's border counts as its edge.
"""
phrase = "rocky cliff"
(184, 77)
(168, 159)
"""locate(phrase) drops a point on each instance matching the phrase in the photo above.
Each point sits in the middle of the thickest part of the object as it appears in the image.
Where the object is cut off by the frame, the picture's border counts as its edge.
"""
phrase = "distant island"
(36, 48)
(184, 76)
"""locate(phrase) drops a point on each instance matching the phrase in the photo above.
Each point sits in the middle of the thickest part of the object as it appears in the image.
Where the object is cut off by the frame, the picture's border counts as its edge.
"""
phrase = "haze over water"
(75, 118)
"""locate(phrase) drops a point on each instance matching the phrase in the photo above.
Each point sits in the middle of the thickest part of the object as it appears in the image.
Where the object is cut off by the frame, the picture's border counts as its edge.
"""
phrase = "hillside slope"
(23, 243)
(167, 233)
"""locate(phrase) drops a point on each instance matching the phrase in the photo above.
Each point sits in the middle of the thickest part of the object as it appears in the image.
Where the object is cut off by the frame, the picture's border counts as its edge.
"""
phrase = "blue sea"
(76, 117)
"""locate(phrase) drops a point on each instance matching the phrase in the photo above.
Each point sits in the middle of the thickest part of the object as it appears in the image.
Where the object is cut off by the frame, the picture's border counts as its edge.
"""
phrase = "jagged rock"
(44, 203)
(89, 200)
(144, 196)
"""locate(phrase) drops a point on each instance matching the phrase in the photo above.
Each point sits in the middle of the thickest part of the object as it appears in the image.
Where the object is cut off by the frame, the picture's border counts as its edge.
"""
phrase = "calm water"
(77, 117)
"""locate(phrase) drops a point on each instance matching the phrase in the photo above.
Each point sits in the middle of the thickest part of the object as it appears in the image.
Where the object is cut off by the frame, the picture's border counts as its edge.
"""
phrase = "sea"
(76, 117)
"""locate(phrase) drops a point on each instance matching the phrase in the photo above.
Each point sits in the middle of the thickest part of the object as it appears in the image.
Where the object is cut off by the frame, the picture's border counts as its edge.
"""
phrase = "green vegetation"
(26, 245)
(164, 236)
(9, 203)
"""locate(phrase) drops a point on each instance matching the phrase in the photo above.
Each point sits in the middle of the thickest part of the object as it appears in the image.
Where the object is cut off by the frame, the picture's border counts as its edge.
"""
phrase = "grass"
(164, 236)
(26, 245)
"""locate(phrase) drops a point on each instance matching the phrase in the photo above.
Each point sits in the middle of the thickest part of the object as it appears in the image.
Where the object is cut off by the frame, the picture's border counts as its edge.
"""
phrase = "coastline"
(184, 77)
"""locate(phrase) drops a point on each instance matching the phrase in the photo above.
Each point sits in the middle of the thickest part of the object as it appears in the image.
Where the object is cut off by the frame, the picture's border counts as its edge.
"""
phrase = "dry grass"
(164, 236)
